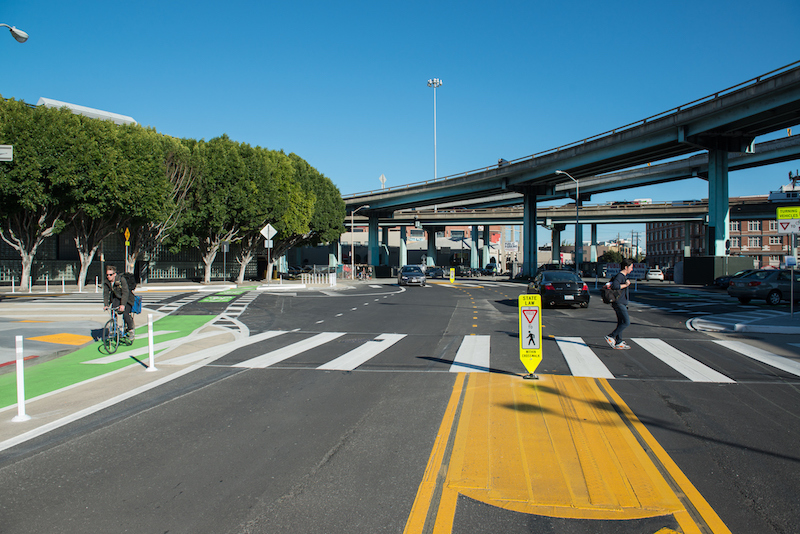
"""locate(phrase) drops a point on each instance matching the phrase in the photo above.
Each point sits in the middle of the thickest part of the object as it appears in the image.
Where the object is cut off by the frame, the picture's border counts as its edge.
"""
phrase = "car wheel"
(774, 297)
(744, 300)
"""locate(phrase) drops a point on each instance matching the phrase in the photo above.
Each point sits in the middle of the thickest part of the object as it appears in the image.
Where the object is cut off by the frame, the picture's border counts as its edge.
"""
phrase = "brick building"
(753, 232)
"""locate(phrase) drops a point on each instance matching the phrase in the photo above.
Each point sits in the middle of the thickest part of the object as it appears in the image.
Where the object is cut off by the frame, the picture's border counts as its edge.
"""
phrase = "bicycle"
(114, 332)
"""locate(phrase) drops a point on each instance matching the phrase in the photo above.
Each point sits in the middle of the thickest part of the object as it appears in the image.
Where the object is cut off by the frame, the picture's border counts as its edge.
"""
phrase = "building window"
(754, 226)
(734, 226)
(773, 226)
(736, 242)
(775, 240)
(754, 241)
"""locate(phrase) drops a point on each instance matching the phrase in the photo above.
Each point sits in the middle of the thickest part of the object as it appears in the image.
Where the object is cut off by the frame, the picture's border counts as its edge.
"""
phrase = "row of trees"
(99, 178)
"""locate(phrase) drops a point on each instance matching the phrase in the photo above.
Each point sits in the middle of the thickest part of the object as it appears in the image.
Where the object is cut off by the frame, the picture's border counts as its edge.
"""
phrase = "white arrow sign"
(268, 231)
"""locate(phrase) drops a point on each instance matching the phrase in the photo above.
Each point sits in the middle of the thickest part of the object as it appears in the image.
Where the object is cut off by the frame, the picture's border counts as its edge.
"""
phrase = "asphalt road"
(266, 438)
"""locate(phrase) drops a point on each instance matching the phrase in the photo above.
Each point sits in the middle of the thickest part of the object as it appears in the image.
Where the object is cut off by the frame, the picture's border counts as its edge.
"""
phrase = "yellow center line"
(561, 448)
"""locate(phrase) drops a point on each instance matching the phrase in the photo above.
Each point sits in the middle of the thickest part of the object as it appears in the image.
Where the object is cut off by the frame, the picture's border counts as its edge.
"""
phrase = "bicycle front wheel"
(111, 336)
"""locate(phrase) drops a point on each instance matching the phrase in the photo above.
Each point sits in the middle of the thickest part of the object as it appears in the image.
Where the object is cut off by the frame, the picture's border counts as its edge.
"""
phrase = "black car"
(560, 287)
(724, 281)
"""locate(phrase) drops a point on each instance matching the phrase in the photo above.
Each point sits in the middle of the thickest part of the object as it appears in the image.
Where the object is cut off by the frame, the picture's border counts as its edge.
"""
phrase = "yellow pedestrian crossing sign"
(530, 331)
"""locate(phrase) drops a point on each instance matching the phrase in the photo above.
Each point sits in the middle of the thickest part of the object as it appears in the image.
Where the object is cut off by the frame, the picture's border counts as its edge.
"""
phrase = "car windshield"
(559, 276)
(412, 269)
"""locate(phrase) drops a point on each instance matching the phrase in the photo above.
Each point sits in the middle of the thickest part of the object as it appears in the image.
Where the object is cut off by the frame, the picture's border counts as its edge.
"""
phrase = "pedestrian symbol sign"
(530, 331)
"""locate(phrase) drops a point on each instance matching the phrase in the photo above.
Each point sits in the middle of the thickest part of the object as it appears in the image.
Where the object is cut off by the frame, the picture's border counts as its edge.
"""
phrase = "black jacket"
(119, 290)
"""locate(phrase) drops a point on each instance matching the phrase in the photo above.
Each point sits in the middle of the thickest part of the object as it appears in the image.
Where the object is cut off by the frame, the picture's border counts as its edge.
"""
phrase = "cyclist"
(117, 293)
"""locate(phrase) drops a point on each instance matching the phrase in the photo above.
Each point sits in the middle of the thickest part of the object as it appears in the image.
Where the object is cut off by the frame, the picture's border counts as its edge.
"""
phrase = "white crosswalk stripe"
(684, 364)
(279, 355)
(763, 356)
(472, 355)
(361, 355)
(581, 359)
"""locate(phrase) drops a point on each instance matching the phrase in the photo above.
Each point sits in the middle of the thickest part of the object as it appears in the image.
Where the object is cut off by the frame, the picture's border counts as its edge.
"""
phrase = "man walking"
(620, 283)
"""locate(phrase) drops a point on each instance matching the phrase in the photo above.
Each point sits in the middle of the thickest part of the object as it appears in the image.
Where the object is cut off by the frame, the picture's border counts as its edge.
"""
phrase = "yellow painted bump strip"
(562, 447)
(63, 339)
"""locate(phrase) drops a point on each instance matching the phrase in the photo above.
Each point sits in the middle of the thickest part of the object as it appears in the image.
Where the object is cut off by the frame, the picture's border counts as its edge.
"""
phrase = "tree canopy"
(97, 177)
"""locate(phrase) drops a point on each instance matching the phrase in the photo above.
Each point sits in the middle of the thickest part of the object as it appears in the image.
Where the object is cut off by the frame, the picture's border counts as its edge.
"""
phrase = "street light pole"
(19, 35)
(352, 241)
(577, 219)
(434, 82)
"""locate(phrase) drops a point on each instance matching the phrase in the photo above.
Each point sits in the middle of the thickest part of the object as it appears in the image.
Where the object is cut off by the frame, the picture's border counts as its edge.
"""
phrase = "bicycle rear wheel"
(111, 336)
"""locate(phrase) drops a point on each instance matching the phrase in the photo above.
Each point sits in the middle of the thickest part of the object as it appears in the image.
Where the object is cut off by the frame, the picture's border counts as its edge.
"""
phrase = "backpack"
(609, 295)
(131, 279)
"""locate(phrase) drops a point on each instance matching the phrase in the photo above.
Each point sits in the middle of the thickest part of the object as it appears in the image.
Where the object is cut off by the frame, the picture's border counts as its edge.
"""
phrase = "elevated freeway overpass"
(723, 126)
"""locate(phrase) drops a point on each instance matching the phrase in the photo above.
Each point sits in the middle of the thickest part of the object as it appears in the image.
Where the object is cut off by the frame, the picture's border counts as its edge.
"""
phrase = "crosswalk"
(474, 354)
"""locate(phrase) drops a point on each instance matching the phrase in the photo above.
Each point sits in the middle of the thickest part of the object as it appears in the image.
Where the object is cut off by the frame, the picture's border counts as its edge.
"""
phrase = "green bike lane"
(64, 389)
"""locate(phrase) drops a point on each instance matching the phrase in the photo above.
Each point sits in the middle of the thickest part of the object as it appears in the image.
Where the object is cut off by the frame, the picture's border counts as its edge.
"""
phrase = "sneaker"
(622, 346)
(611, 341)
(130, 334)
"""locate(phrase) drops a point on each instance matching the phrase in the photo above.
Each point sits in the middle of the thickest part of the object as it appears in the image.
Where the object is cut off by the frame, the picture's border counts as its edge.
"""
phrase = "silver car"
(411, 274)
(772, 285)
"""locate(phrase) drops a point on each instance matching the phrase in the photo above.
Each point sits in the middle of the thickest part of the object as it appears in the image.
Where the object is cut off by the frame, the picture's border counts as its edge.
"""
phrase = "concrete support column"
(430, 261)
(530, 247)
(487, 241)
(334, 253)
(403, 247)
(373, 251)
(555, 249)
(578, 237)
(473, 248)
(385, 245)
(593, 249)
(687, 239)
(718, 208)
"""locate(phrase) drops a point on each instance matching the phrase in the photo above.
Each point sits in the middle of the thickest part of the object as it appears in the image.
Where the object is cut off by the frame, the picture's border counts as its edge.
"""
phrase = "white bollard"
(21, 416)
(47, 283)
(96, 284)
(62, 286)
(12, 284)
(30, 284)
(151, 350)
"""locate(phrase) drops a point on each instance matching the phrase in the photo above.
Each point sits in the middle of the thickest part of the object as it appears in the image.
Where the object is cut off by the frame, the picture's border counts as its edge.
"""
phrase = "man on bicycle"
(117, 294)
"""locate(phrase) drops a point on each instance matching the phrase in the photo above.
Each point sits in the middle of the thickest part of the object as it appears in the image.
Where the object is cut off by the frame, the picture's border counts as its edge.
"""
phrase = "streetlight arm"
(19, 35)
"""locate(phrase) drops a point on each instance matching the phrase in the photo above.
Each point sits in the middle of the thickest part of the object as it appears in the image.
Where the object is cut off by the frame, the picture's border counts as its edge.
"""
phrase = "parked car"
(560, 287)
(491, 268)
(411, 274)
(434, 272)
(725, 281)
(772, 285)
(654, 274)
(669, 274)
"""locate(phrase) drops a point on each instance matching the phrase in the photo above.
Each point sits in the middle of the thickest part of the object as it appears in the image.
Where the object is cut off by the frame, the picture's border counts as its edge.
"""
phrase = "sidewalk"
(756, 321)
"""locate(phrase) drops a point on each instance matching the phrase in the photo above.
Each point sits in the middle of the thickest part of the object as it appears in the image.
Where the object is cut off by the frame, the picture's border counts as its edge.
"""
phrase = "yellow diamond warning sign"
(530, 331)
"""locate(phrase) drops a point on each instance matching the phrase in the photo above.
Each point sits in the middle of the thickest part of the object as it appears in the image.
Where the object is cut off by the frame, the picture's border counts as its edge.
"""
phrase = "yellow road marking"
(63, 339)
(561, 447)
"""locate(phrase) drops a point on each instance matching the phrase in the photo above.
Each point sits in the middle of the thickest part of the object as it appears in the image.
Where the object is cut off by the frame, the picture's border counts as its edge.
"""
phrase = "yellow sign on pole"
(789, 212)
(452, 275)
(530, 331)
(127, 237)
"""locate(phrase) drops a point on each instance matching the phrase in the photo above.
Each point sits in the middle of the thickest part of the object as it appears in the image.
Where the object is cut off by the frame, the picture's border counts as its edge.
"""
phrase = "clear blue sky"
(343, 84)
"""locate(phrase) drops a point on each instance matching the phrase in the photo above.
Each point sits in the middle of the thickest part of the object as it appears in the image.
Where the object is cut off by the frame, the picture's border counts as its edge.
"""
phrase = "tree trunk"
(86, 260)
